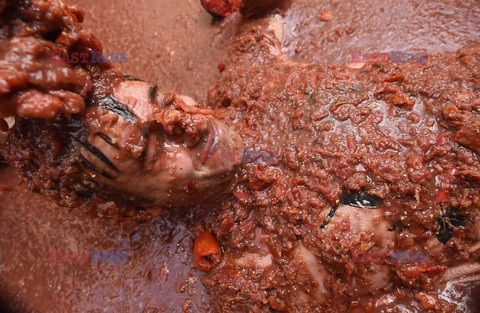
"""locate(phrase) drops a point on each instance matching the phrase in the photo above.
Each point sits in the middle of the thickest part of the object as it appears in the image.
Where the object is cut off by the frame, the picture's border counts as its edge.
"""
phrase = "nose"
(147, 148)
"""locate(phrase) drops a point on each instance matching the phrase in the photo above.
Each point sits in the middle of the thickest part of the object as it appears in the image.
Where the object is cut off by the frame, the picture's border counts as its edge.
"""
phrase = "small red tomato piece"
(221, 8)
(413, 271)
(206, 252)
(240, 195)
(442, 196)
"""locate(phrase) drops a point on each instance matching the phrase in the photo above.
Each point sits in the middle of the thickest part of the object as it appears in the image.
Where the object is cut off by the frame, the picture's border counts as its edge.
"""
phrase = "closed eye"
(97, 153)
(118, 108)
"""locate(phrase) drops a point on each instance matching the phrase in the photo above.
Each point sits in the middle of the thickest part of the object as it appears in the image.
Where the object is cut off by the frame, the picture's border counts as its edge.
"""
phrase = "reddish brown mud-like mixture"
(33, 83)
(266, 267)
(127, 142)
(374, 159)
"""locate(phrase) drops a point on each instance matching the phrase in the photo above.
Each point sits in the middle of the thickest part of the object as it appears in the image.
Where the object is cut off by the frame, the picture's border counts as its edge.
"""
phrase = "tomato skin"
(221, 8)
